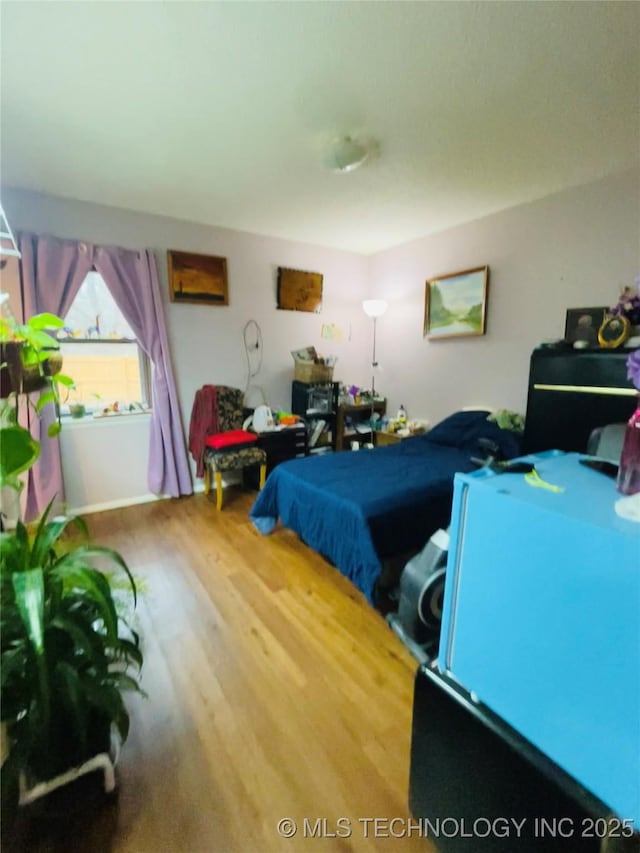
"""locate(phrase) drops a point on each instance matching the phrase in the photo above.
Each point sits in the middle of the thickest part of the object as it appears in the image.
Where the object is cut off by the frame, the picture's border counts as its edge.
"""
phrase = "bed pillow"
(235, 438)
(457, 428)
(463, 429)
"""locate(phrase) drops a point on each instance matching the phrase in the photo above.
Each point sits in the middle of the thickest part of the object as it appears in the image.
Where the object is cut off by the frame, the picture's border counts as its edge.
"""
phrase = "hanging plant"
(30, 356)
(30, 361)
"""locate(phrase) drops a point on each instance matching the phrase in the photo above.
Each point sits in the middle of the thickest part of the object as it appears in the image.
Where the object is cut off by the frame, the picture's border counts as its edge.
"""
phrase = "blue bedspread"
(359, 508)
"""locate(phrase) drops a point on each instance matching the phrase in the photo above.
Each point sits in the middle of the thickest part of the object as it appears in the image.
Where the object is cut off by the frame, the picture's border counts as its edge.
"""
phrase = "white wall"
(576, 248)
(104, 462)
(573, 249)
(206, 341)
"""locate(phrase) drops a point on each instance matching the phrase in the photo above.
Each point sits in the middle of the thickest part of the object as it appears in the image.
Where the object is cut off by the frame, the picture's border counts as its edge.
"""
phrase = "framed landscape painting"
(455, 304)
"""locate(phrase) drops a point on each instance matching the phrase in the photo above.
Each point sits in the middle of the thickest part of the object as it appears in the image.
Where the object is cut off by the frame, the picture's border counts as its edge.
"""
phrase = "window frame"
(144, 369)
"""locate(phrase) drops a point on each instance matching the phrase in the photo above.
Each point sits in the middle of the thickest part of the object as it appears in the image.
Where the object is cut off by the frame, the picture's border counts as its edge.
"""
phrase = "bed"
(362, 509)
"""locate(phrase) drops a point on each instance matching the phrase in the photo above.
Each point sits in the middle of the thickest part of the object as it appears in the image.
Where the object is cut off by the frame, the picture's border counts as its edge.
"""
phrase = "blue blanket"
(359, 508)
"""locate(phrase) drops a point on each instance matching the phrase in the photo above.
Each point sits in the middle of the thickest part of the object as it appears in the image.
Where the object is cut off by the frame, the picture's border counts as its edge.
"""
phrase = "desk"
(279, 445)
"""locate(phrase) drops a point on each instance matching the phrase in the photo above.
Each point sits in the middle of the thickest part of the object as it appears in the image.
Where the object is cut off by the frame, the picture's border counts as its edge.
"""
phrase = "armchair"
(239, 451)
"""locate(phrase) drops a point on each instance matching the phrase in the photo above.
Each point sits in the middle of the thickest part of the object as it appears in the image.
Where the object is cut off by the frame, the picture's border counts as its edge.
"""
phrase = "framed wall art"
(614, 331)
(200, 279)
(581, 325)
(456, 304)
(299, 290)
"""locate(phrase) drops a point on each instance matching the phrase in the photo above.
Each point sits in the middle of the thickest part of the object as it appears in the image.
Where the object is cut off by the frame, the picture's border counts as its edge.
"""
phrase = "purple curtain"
(51, 272)
(132, 279)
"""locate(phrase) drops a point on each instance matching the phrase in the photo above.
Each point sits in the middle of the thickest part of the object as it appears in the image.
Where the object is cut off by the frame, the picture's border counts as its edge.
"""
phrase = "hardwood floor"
(274, 691)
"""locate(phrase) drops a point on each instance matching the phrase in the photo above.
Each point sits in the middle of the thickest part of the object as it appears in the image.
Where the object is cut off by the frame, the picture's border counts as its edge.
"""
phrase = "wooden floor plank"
(274, 691)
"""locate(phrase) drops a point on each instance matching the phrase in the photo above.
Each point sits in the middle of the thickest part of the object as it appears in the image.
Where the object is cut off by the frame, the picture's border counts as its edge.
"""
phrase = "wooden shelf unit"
(359, 413)
(305, 397)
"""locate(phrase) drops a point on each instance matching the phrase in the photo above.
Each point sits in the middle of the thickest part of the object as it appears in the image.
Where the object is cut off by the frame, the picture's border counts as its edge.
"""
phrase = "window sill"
(112, 418)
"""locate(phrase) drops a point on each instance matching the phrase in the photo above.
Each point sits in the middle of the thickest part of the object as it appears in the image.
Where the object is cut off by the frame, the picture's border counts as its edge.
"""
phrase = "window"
(101, 354)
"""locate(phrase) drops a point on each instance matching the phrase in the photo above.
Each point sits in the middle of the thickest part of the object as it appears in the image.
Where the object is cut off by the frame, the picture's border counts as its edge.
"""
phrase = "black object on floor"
(481, 788)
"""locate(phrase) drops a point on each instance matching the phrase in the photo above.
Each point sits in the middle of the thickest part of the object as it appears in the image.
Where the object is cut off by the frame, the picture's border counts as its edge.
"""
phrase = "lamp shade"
(374, 307)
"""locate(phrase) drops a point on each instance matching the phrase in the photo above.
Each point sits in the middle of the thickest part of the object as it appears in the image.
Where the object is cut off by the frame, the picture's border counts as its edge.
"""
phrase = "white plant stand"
(98, 762)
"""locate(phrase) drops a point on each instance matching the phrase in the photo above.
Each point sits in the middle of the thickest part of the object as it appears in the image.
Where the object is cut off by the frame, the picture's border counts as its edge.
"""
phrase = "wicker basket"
(307, 371)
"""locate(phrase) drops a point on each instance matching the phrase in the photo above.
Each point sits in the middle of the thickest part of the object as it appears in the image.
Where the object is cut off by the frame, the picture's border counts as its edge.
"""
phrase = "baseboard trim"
(119, 503)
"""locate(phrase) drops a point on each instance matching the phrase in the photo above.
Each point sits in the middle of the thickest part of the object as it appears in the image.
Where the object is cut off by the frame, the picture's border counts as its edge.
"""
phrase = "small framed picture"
(582, 324)
(199, 279)
(614, 331)
(299, 290)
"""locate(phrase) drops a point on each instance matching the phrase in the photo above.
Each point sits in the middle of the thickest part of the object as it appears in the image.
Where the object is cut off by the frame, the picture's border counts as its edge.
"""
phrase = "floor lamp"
(374, 308)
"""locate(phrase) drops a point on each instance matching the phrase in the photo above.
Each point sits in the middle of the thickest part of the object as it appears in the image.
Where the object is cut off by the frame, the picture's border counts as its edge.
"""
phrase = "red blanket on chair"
(204, 420)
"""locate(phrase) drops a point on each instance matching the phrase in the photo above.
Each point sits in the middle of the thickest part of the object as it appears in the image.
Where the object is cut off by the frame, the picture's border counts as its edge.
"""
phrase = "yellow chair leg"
(263, 476)
(207, 479)
(218, 479)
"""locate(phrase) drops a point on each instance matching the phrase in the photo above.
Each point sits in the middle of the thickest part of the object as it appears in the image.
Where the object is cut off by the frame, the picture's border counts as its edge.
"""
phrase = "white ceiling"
(221, 113)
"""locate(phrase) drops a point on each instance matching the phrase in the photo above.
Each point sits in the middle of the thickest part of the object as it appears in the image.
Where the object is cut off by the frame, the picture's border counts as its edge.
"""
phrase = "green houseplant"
(65, 658)
(29, 362)
(66, 653)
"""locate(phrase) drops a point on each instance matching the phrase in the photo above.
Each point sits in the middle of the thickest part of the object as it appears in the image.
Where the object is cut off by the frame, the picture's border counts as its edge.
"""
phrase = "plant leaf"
(37, 340)
(22, 548)
(73, 699)
(36, 560)
(6, 329)
(61, 379)
(114, 557)
(29, 594)
(44, 399)
(45, 321)
(129, 651)
(18, 451)
(29, 591)
(80, 635)
(75, 574)
(54, 429)
(107, 698)
(11, 554)
(48, 534)
(122, 681)
(84, 555)
(14, 660)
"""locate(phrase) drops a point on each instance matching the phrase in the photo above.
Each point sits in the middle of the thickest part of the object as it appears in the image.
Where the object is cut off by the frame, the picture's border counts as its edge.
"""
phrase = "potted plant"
(67, 655)
(77, 410)
(30, 356)
(29, 362)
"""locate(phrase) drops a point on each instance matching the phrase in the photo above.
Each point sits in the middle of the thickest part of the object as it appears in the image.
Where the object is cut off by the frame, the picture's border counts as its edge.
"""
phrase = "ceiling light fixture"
(346, 154)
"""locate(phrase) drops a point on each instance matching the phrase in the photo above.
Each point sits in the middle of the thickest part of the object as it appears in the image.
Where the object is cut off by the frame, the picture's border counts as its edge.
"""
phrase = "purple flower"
(633, 368)
(628, 304)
